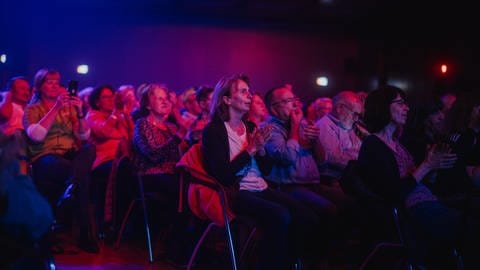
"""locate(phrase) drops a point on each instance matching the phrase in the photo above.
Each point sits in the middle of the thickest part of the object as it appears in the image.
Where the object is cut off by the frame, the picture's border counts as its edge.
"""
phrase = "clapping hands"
(258, 139)
(440, 156)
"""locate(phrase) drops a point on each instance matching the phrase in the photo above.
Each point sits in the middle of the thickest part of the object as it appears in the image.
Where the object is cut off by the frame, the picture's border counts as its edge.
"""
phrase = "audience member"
(54, 123)
(235, 156)
(12, 104)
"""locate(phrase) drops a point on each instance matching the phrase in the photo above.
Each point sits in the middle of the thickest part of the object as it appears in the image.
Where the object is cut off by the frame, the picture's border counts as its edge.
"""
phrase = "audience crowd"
(283, 164)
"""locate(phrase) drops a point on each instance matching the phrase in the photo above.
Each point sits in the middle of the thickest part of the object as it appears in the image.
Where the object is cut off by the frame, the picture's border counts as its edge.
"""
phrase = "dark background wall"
(185, 43)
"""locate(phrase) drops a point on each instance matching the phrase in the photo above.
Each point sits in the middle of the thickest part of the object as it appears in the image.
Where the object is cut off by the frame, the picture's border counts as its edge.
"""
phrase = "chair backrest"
(123, 154)
(353, 184)
(373, 205)
(207, 199)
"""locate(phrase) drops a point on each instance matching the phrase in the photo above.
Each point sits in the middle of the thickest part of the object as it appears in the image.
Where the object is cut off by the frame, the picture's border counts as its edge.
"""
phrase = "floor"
(133, 255)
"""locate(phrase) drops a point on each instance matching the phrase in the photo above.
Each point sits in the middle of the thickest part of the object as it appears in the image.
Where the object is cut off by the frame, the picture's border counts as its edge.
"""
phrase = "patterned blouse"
(406, 165)
(156, 149)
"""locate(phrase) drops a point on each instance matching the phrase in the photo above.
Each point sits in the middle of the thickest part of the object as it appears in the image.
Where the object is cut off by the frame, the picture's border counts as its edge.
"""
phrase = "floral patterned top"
(406, 165)
(156, 148)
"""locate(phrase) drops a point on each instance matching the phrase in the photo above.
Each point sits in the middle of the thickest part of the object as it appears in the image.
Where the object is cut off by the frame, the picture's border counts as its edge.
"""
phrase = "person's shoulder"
(371, 140)
(214, 124)
(141, 122)
(33, 106)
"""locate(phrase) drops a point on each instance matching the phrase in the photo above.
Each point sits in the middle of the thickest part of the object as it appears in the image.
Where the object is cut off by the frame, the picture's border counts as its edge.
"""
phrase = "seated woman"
(388, 170)
(156, 143)
(111, 128)
(55, 123)
(235, 156)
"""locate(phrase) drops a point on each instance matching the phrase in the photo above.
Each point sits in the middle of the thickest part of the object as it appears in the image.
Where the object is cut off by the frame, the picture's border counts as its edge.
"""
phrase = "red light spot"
(443, 68)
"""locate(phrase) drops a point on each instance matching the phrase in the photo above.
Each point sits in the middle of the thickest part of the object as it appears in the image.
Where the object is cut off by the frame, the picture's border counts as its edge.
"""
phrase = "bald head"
(347, 107)
(345, 97)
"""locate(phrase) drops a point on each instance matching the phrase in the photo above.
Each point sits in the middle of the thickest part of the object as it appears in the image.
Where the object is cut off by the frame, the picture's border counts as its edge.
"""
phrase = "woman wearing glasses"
(235, 156)
(388, 169)
(55, 125)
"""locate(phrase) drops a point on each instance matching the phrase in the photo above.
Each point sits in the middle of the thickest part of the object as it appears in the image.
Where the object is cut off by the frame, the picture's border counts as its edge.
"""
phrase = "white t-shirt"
(15, 122)
(251, 176)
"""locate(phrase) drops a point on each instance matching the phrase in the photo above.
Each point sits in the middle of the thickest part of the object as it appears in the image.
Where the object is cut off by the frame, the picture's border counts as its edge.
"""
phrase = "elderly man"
(337, 136)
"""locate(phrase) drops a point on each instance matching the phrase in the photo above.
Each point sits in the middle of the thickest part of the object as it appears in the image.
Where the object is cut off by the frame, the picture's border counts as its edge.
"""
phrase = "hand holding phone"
(72, 88)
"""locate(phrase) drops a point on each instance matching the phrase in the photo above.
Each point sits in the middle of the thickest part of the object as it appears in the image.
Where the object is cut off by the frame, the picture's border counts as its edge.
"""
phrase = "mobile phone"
(72, 88)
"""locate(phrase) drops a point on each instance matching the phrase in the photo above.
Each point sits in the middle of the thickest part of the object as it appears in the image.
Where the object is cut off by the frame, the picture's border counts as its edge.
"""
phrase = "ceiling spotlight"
(82, 69)
(322, 81)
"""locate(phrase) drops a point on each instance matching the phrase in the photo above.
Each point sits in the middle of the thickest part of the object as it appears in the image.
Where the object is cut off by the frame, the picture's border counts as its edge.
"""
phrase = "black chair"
(141, 198)
(352, 183)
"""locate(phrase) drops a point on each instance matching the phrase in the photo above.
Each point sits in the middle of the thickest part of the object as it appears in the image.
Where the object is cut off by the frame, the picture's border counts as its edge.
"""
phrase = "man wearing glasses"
(339, 143)
(337, 136)
(290, 147)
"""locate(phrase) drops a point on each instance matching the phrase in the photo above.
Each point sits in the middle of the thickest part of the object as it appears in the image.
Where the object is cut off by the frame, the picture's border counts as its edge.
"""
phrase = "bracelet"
(114, 117)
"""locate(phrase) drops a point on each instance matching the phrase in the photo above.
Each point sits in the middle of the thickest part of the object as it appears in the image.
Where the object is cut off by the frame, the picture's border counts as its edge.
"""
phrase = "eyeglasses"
(107, 97)
(355, 114)
(286, 101)
(399, 102)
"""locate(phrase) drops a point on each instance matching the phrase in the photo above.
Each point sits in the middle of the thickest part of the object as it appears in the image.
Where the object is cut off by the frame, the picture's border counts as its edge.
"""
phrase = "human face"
(322, 108)
(105, 101)
(351, 112)
(129, 96)
(283, 103)
(159, 105)
(448, 100)
(258, 108)
(436, 122)
(399, 111)
(192, 106)
(50, 89)
(20, 91)
(240, 98)
(205, 104)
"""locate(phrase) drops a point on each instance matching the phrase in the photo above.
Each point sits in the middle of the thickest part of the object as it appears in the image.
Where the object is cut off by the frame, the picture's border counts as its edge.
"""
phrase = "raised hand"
(258, 139)
(311, 132)
(296, 116)
(184, 125)
(439, 156)
(63, 100)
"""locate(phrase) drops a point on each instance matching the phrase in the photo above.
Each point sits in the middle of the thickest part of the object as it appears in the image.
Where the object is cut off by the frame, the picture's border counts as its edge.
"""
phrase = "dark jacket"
(378, 166)
(216, 151)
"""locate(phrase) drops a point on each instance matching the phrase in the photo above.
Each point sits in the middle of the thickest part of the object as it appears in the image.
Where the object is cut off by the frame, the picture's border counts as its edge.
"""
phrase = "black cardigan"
(378, 166)
(216, 151)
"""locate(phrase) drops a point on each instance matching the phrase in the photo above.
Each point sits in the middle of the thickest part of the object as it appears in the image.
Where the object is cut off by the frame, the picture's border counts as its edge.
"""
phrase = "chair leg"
(145, 220)
(375, 250)
(247, 243)
(458, 259)
(229, 232)
(198, 245)
(124, 222)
